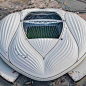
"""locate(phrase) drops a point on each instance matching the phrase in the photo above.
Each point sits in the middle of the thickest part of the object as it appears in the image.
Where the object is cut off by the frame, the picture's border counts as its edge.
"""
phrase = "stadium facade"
(43, 44)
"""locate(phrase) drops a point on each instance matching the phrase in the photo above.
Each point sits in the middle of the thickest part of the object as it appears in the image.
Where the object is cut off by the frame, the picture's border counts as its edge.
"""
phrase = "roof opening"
(42, 15)
(43, 25)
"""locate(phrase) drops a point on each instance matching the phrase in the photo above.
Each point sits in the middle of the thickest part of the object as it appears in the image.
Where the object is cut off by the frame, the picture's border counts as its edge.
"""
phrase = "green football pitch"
(42, 32)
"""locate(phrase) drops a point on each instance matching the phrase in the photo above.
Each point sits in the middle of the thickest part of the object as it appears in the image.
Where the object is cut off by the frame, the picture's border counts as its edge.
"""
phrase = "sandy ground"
(83, 16)
(31, 3)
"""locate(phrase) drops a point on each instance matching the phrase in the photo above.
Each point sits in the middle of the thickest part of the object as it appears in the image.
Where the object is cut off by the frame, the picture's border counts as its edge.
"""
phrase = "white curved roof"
(8, 27)
(42, 59)
(77, 27)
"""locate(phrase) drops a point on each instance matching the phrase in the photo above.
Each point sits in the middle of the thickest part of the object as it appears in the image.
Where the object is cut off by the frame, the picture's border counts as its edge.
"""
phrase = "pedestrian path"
(73, 5)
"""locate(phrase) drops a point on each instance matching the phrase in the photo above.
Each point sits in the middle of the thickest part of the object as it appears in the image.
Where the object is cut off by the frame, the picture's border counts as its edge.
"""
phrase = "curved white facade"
(45, 58)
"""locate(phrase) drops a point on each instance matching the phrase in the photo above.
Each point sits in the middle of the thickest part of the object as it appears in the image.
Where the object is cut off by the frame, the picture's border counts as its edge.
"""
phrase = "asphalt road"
(84, 1)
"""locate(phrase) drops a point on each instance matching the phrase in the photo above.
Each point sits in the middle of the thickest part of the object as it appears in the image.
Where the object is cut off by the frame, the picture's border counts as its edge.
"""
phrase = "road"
(84, 1)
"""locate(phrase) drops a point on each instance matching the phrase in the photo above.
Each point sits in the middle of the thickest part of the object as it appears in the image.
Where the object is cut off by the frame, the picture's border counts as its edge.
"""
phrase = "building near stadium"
(44, 44)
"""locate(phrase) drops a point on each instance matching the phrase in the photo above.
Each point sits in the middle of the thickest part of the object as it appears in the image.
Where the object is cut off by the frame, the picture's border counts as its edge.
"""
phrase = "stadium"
(43, 44)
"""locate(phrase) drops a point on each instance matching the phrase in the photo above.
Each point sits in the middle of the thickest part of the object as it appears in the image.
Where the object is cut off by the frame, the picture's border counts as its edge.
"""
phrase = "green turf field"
(42, 32)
